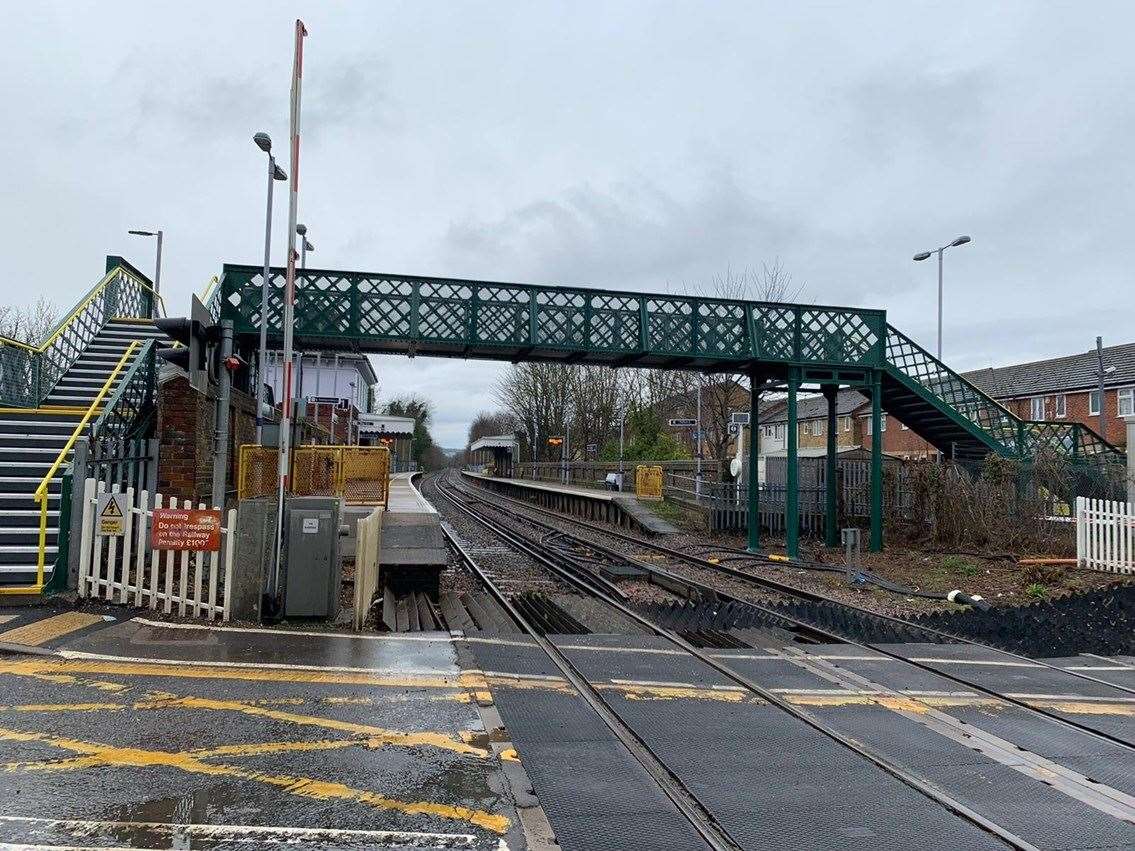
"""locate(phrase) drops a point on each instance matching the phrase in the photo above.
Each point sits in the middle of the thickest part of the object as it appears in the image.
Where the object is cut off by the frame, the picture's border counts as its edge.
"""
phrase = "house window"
(1125, 402)
(1094, 403)
(867, 425)
(818, 427)
(1036, 409)
(904, 426)
(847, 423)
(1061, 406)
(883, 421)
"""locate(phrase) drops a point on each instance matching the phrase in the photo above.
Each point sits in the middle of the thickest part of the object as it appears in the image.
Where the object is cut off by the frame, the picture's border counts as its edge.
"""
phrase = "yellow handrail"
(98, 288)
(41, 491)
(10, 342)
(212, 282)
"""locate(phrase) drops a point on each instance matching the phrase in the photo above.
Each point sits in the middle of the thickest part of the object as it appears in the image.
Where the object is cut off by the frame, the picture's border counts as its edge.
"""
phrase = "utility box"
(314, 567)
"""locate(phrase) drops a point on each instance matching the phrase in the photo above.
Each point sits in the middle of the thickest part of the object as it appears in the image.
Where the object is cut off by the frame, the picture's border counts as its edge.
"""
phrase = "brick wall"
(1076, 411)
(186, 422)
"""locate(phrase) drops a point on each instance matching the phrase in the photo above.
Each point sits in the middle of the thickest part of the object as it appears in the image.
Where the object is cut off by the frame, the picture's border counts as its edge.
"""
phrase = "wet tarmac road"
(101, 752)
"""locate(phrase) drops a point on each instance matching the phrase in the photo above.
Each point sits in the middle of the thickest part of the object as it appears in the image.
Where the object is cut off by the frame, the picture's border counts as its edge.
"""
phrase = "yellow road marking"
(94, 754)
(376, 734)
(48, 629)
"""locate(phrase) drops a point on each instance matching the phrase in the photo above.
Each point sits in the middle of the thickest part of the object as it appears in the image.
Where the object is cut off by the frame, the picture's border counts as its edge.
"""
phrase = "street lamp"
(264, 142)
(158, 263)
(305, 246)
(923, 255)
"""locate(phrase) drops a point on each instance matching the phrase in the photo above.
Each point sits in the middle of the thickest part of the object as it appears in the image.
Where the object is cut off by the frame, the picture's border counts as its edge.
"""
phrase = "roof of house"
(816, 407)
(1056, 375)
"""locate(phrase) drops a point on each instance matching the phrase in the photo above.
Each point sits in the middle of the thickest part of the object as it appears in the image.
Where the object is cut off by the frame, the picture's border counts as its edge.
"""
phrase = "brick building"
(1065, 389)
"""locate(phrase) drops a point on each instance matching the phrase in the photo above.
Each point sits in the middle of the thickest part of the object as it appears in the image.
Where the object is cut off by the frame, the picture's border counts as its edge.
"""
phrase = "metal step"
(52, 442)
(38, 428)
(24, 554)
(28, 518)
(26, 502)
(26, 535)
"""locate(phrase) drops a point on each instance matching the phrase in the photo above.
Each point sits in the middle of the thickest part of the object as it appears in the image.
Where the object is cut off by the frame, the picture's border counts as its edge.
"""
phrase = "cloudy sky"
(626, 145)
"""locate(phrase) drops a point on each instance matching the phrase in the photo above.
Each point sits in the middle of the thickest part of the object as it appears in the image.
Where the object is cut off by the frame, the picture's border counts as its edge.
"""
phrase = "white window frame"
(1093, 410)
(1033, 408)
(846, 423)
(1060, 406)
(1126, 394)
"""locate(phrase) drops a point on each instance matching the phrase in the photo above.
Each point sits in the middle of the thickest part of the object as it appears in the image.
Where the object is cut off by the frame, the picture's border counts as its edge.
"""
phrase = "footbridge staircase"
(93, 376)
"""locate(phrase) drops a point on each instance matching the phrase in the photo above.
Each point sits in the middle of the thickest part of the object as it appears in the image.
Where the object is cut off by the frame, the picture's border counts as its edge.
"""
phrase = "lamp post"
(264, 142)
(923, 255)
(157, 262)
(1101, 375)
(305, 246)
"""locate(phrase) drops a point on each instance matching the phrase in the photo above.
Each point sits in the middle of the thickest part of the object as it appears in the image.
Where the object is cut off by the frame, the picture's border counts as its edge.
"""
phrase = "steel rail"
(698, 561)
(881, 761)
(694, 811)
(991, 692)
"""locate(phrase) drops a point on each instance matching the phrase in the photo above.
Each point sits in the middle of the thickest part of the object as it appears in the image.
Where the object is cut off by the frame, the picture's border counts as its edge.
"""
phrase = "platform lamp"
(305, 246)
(157, 262)
(264, 142)
(924, 255)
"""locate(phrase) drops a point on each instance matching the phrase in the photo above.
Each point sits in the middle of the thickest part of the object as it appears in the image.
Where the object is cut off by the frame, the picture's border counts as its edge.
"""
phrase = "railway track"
(586, 579)
(829, 621)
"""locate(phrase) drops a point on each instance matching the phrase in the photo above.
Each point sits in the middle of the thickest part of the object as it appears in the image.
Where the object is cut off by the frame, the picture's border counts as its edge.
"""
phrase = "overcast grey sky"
(625, 145)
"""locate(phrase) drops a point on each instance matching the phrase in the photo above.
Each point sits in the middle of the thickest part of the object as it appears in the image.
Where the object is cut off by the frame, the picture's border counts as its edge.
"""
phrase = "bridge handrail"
(455, 311)
(1013, 435)
(29, 372)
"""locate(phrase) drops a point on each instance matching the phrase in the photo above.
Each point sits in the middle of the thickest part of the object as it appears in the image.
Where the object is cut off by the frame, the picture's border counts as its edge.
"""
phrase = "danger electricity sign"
(111, 514)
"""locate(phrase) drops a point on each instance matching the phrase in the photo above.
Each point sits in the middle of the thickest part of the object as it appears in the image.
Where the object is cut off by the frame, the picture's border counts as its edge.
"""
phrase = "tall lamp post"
(157, 262)
(305, 246)
(264, 142)
(923, 255)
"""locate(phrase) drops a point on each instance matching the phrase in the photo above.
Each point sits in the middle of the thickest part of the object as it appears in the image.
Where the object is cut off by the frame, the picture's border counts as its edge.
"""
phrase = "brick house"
(1065, 389)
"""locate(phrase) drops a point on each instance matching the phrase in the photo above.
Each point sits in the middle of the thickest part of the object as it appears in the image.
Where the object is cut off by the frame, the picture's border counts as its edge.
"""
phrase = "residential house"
(1066, 389)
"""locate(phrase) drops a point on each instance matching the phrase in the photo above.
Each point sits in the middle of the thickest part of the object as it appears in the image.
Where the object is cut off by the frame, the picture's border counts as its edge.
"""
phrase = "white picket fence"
(125, 569)
(1105, 535)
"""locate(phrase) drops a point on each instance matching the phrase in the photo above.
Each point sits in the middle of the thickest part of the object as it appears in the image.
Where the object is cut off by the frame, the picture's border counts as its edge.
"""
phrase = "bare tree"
(28, 323)
(725, 393)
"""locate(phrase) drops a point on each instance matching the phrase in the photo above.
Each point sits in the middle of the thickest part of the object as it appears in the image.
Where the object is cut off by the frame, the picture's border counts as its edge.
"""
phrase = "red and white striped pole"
(289, 299)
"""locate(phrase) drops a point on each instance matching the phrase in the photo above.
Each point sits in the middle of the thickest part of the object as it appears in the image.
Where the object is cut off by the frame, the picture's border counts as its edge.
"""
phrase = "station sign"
(186, 529)
(110, 514)
(739, 417)
(555, 441)
(680, 423)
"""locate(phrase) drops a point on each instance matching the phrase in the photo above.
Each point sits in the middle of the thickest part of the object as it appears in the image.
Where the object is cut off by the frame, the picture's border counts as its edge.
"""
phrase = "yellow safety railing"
(358, 474)
(41, 491)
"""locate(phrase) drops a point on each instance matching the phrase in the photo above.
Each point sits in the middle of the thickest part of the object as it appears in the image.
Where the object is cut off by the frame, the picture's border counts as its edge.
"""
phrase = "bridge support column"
(831, 520)
(876, 461)
(751, 474)
(792, 478)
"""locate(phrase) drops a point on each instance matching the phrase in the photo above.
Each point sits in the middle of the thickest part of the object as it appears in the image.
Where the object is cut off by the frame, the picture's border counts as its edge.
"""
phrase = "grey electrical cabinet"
(313, 562)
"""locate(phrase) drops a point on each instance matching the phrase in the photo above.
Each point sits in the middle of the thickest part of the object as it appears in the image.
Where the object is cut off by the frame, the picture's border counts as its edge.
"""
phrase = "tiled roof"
(1056, 375)
(816, 407)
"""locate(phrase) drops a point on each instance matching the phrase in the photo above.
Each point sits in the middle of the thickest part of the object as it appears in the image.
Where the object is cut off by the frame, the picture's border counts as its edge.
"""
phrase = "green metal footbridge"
(782, 346)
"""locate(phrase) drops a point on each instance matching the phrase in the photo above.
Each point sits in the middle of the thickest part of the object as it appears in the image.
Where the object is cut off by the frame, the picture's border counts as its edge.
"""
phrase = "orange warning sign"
(186, 529)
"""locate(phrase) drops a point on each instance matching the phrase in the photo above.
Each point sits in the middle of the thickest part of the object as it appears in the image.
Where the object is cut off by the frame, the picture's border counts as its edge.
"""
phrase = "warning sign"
(186, 529)
(111, 514)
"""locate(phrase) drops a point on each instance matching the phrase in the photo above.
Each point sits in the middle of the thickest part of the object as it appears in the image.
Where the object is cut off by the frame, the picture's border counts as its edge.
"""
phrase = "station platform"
(412, 552)
(589, 503)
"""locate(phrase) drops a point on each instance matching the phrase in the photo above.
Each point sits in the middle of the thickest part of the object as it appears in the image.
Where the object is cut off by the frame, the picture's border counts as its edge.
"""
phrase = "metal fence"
(358, 474)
